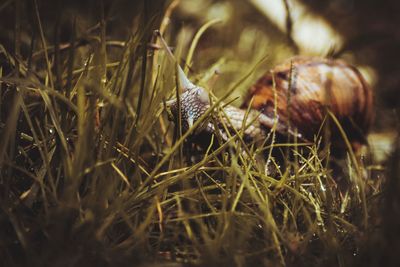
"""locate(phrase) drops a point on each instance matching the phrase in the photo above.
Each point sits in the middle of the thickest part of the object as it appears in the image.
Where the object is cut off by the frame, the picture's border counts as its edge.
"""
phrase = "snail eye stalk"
(184, 82)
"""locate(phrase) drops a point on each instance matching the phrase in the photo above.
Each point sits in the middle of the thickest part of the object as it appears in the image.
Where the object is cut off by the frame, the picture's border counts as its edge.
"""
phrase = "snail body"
(303, 90)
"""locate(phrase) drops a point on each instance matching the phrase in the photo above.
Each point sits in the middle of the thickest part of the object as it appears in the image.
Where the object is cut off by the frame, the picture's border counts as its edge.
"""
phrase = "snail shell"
(306, 87)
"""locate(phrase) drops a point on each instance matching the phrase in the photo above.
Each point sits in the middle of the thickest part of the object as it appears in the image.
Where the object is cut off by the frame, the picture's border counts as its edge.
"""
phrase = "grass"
(92, 173)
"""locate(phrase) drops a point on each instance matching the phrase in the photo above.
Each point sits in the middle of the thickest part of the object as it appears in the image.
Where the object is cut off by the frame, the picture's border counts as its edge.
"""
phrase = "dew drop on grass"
(340, 231)
(323, 188)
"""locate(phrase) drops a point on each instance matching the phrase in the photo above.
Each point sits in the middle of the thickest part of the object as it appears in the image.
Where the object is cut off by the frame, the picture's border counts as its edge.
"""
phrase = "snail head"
(193, 100)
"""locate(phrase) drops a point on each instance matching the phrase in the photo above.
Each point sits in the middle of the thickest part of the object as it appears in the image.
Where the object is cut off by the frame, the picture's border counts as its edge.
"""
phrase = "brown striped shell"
(306, 87)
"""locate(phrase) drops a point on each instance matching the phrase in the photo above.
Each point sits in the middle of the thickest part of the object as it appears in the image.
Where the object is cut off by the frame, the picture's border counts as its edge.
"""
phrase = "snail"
(304, 91)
